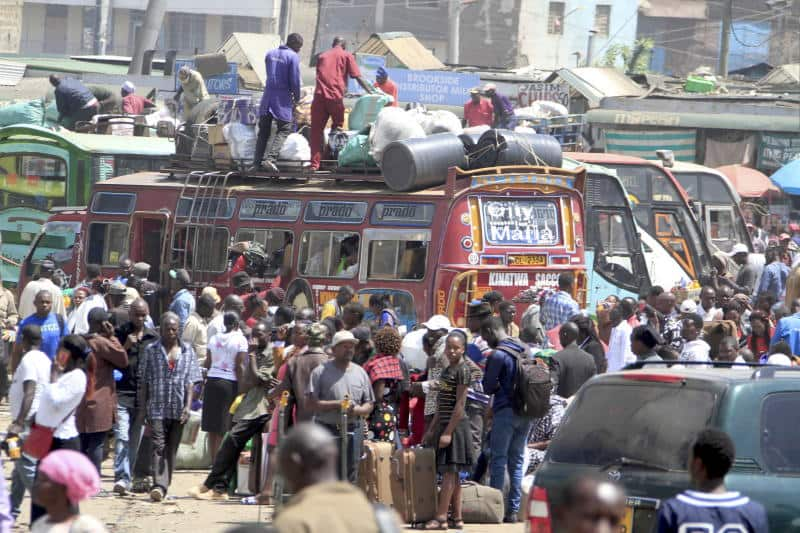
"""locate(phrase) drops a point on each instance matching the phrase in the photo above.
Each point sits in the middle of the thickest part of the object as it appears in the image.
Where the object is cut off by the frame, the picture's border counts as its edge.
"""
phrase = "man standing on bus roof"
(277, 102)
(45, 282)
(386, 85)
(560, 306)
(478, 111)
(74, 101)
(334, 67)
(132, 103)
(504, 116)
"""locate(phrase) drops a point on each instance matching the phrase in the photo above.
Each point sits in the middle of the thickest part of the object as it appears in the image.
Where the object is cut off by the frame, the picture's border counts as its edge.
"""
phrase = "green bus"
(42, 169)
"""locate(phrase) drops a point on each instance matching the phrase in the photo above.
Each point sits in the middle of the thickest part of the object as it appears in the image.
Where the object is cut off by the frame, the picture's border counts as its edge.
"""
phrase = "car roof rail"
(768, 371)
(637, 365)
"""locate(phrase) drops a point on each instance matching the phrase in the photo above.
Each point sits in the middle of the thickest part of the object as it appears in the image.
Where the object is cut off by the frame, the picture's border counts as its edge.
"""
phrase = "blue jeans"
(508, 442)
(21, 480)
(127, 434)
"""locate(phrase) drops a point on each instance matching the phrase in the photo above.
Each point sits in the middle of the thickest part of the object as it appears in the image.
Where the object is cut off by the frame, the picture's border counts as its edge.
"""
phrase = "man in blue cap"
(386, 85)
(280, 94)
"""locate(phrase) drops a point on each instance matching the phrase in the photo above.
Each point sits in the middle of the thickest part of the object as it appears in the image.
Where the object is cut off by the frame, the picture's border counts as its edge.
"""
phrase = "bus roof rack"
(287, 171)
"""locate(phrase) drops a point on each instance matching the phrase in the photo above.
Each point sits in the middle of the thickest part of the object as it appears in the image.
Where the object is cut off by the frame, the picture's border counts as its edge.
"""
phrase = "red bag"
(38, 442)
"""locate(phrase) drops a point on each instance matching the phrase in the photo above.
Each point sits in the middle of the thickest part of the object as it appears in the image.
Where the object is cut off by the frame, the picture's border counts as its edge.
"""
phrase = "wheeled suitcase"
(413, 482)
(481, 504)
(374, 471)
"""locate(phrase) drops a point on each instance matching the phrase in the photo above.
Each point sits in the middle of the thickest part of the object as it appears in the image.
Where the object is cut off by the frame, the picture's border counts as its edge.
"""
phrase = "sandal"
(455, 524)
(435, 525)
(254, 500)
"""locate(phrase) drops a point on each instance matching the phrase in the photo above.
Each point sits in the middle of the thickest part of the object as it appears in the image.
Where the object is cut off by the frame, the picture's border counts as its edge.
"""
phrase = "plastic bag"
(439, 121)
(366, 110)
(196, 456)
(392, 124)
(242, 140)
(295, 148)
(356, 153)
(23, 113)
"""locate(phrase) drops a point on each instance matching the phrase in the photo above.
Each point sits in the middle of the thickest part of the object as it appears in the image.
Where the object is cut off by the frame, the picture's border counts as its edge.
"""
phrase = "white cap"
(128, 87)
(489, 87)
(437, 322)
(738, 249)
(688, 307)
(779, 359)
(343, 336)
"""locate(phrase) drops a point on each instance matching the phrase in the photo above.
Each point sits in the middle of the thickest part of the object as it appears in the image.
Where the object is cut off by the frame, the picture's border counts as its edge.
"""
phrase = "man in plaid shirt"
(166, 377)
(560, 306)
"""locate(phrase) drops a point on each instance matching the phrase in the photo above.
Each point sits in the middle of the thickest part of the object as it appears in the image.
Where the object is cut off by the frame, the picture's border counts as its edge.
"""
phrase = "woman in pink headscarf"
(64, 479)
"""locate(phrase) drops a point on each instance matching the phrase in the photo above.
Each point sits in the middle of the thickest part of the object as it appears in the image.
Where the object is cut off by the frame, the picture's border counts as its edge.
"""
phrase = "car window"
(780, 418)
(645, 422)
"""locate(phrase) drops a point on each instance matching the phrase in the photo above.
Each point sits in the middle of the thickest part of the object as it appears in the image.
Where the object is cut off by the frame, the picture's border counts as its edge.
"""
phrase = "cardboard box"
(221, 154)
(215, 135)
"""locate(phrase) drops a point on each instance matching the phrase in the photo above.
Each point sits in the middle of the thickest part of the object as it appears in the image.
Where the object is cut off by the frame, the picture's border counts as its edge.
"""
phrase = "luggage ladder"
(210, 195)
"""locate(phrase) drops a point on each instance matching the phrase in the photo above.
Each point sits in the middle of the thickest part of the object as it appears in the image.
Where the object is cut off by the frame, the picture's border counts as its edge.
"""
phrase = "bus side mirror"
(667, 158)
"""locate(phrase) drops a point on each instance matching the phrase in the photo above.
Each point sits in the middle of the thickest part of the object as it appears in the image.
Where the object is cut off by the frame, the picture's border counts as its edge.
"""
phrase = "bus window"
(614, 257)
(200, 248)
(131, 165)
(107, 242)
(669, 233)
(329, 254)
(35, 181)
(56, 243)
(721, 227)
(277, 245)
(393, 254)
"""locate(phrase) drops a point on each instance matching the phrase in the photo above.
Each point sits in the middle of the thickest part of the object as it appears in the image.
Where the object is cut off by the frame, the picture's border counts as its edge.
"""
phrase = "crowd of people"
(92, 360)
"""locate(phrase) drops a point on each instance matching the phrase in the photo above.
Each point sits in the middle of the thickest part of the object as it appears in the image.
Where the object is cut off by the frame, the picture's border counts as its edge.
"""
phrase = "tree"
(634, 60)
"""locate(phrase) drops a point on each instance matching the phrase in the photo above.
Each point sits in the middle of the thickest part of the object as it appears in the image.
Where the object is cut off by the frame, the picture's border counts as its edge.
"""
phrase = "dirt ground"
(178, 513)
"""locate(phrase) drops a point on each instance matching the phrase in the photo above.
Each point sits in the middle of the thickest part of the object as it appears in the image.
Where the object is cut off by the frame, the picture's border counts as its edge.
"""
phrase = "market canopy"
(788, 177)
(748, 182)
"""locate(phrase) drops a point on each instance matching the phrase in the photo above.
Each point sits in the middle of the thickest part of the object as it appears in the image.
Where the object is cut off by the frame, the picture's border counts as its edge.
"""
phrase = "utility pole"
(103, 8)
(285, 23)
(148, 34)
(379, 9)
(454, 26)
(725, 43)
(589, 46)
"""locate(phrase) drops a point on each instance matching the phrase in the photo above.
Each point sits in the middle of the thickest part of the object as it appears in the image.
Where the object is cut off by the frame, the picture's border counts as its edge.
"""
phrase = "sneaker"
(198, 492)
(511, 519)
(157, 494)
(120, 488)
(211, 495)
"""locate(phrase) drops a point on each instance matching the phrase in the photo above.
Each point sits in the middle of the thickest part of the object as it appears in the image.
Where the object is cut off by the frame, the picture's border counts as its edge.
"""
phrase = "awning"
(748, 182)
(788, 177)
(722, 121)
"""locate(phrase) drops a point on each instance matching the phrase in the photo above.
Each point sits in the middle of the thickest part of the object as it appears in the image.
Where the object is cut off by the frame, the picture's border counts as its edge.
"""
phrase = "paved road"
(178, 514)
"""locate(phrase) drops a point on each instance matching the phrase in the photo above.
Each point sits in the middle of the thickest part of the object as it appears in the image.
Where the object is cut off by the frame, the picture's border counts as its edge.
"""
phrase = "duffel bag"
(481, 504)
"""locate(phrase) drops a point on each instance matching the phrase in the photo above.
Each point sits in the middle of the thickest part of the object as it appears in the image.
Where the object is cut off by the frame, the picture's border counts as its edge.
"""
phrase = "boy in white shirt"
(694, 348)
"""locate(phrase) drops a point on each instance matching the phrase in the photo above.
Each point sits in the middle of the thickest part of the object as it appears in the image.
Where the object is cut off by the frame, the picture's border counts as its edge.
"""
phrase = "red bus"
(509, 229)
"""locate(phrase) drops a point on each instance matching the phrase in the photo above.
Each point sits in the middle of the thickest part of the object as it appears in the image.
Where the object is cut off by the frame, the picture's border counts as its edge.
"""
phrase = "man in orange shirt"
(386, 85)
(478, 111)
(334, 67)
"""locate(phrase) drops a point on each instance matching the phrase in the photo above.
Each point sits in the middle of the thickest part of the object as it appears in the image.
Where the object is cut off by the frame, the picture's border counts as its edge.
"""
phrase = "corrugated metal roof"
(62, 64)
(249, 49)
(596, 83)
(11, 72)
(92, 142)
(408, 52)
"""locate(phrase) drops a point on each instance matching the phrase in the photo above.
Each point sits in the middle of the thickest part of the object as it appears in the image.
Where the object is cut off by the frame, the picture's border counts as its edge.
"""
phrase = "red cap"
(794, 227)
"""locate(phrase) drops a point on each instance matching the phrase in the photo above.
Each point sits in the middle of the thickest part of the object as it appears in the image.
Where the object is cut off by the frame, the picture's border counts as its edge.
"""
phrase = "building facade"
(69, 26)
(493, 33)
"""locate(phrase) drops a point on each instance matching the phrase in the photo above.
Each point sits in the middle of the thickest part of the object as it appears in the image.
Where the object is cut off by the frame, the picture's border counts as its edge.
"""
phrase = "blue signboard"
(227, 83)
(433, 86)
(368, 64)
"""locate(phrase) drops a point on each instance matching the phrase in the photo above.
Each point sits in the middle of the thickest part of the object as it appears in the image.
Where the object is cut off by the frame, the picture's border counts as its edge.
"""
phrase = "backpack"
(530, 397)
(257, 262)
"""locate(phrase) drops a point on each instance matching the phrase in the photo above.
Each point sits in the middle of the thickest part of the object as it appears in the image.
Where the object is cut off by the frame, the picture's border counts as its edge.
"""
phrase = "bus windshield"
(32, 180)
(55, 243)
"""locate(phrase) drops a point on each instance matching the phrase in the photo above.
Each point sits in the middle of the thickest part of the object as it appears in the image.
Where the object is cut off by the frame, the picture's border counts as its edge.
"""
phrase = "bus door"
(463, 288)
(149, 232)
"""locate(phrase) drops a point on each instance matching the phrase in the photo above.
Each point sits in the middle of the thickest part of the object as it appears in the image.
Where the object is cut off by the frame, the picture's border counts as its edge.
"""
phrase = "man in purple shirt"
(280, 94)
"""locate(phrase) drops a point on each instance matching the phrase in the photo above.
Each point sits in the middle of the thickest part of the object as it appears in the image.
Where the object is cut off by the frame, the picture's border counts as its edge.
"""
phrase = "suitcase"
(374, 471)
(481, 504)
(413, 482)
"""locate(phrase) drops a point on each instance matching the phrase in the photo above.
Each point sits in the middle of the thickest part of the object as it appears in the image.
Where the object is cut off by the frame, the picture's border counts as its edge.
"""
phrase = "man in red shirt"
(386, 85)
(333, 69)
(133, 104)
(478, 111)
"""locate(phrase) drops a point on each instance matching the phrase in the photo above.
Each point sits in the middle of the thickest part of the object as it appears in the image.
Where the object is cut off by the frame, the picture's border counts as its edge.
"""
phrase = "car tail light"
(659, 378)
(538, 511)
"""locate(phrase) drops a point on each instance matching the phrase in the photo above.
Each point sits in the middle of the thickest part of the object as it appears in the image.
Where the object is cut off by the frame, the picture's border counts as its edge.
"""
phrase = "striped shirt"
(704, 511)
(449, 381)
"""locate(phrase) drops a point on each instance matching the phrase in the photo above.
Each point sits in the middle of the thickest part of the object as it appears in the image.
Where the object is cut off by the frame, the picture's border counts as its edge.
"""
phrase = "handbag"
(38, 442)
(40, 439)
